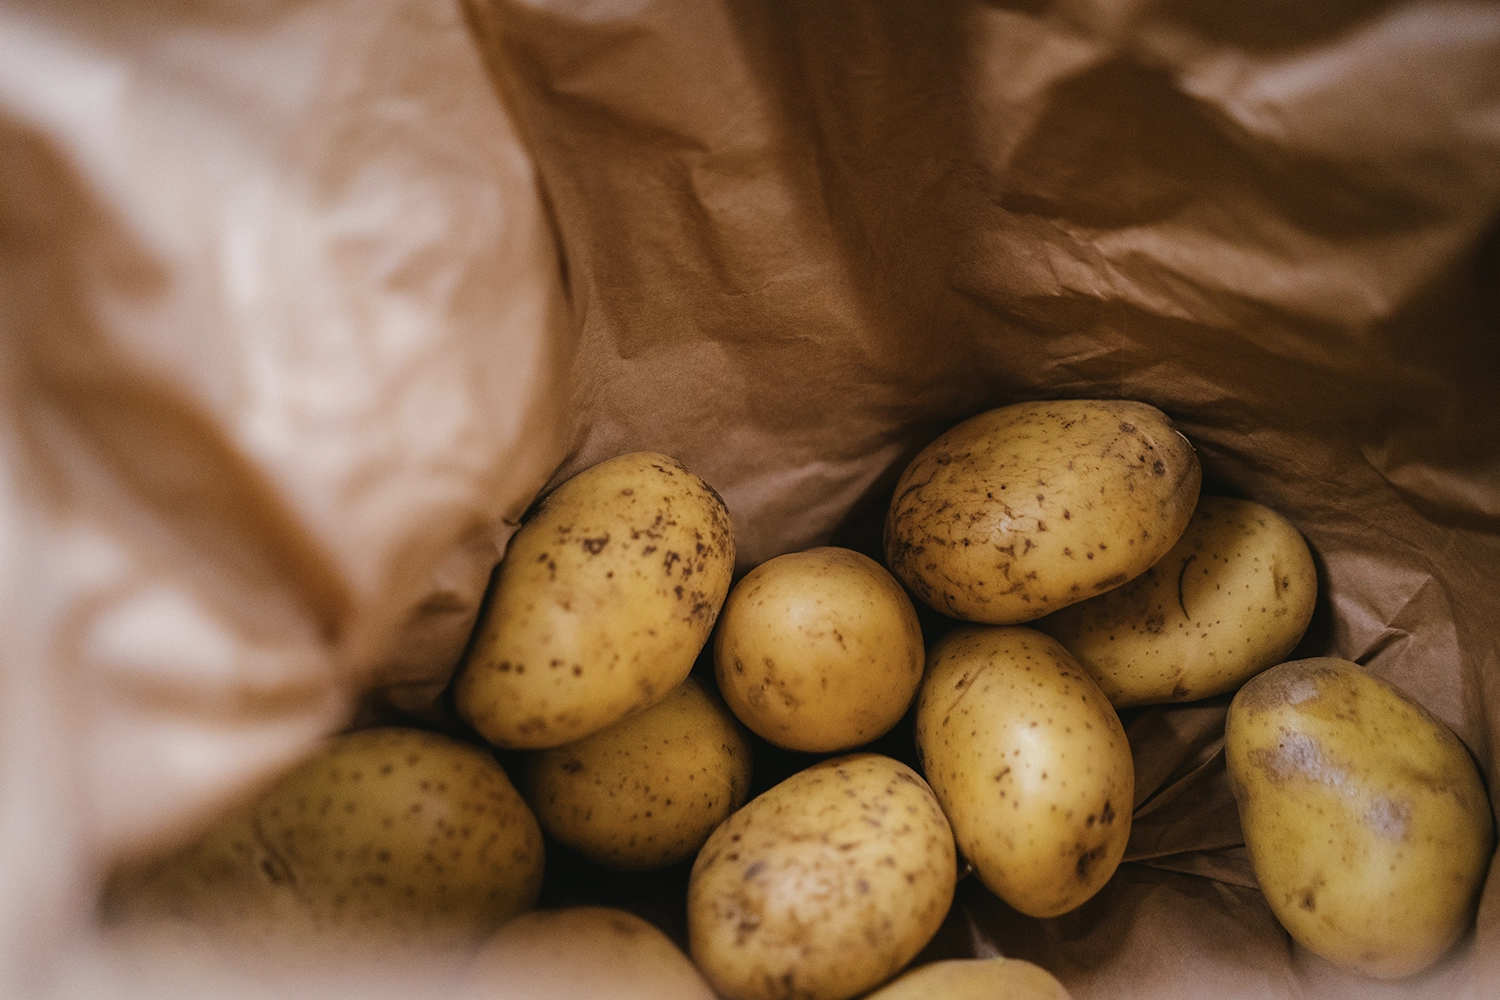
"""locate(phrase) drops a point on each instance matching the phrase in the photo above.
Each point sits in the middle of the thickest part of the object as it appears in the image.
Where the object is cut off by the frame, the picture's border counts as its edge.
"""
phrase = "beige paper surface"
(283, 337)
(301, 303)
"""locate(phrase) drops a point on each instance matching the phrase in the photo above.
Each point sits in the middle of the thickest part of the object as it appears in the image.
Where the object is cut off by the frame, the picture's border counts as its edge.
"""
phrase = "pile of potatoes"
(1087, 574)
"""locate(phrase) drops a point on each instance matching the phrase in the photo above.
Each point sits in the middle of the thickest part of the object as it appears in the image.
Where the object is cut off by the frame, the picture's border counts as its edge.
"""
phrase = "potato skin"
(823, 886)
(384, 836)
(974, 979)
(819, 651)
(1365, 818)
(1230, 599)
(1030, 763)
(603, 601)
(647, 791)
(582, 951)
(1020, 511)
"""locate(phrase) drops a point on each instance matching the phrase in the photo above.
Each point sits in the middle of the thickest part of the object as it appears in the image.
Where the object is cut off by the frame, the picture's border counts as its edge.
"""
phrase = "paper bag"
(305, 302)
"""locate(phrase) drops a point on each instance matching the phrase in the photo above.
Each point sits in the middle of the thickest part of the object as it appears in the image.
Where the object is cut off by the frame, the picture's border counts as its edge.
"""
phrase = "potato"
(647, 791)
(603, 601)
(974, 979)
(1231, 598)
(823, 886)
(819, 651)
(583, 951)
(383, 836)
(1030, 763)
(1365, 818)
(1026, 509)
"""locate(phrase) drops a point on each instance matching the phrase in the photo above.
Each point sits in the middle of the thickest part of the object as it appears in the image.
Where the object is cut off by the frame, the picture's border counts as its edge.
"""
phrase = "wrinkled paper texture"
(302, 303)
(284, 343)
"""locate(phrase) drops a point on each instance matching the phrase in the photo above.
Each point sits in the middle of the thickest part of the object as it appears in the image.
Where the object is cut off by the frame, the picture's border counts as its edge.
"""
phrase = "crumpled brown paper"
(287, 314)
(283, 343)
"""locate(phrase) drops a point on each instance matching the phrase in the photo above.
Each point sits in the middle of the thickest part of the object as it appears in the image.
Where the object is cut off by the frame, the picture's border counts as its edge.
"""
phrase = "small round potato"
(602, 603)
(819, 651)
(583, 951)
(1030, 763)
(647, 791)
(1023, 510)
(385, 836)
(1231, 598)
(974, 979)
(1365, 818)
(823, 886)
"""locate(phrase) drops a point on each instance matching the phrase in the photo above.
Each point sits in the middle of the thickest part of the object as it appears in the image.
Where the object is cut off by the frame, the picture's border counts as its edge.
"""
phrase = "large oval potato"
(1364, 816)
(823, 886)
(647, 791)
(384, 836)
(1231, 598)
(603, 601)
(974, 979)
(819, 651)
(1023, 510)
(1030, 763)
(581, 952)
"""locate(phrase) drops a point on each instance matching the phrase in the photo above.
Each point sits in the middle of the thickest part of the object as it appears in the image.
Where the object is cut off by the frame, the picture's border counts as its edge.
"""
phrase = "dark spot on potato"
(595, 545)
(1086, 861)
(754, 870)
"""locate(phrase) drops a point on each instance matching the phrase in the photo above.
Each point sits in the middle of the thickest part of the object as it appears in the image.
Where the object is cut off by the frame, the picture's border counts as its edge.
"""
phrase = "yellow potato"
(647, 791)
(1364, 816)
(974, 979)
(824, 886)
(1026, 509)
(1030, 763)
(1231, 598)
(603, 601)
(582, 951)
(384, 836)
(819, 651)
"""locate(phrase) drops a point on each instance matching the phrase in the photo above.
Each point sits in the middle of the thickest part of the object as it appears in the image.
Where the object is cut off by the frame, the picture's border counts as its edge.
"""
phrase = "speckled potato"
(1364, 816)
(974, 979)
(824, 886)
(384, 836)
(603, 601)
(819, 651)
(1029, 508)
(1030, 763)
(1231, 598)
(647, 791)
(581, 952)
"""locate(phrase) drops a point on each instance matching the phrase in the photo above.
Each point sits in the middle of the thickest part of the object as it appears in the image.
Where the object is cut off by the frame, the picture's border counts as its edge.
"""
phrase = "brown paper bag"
(294, 333)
